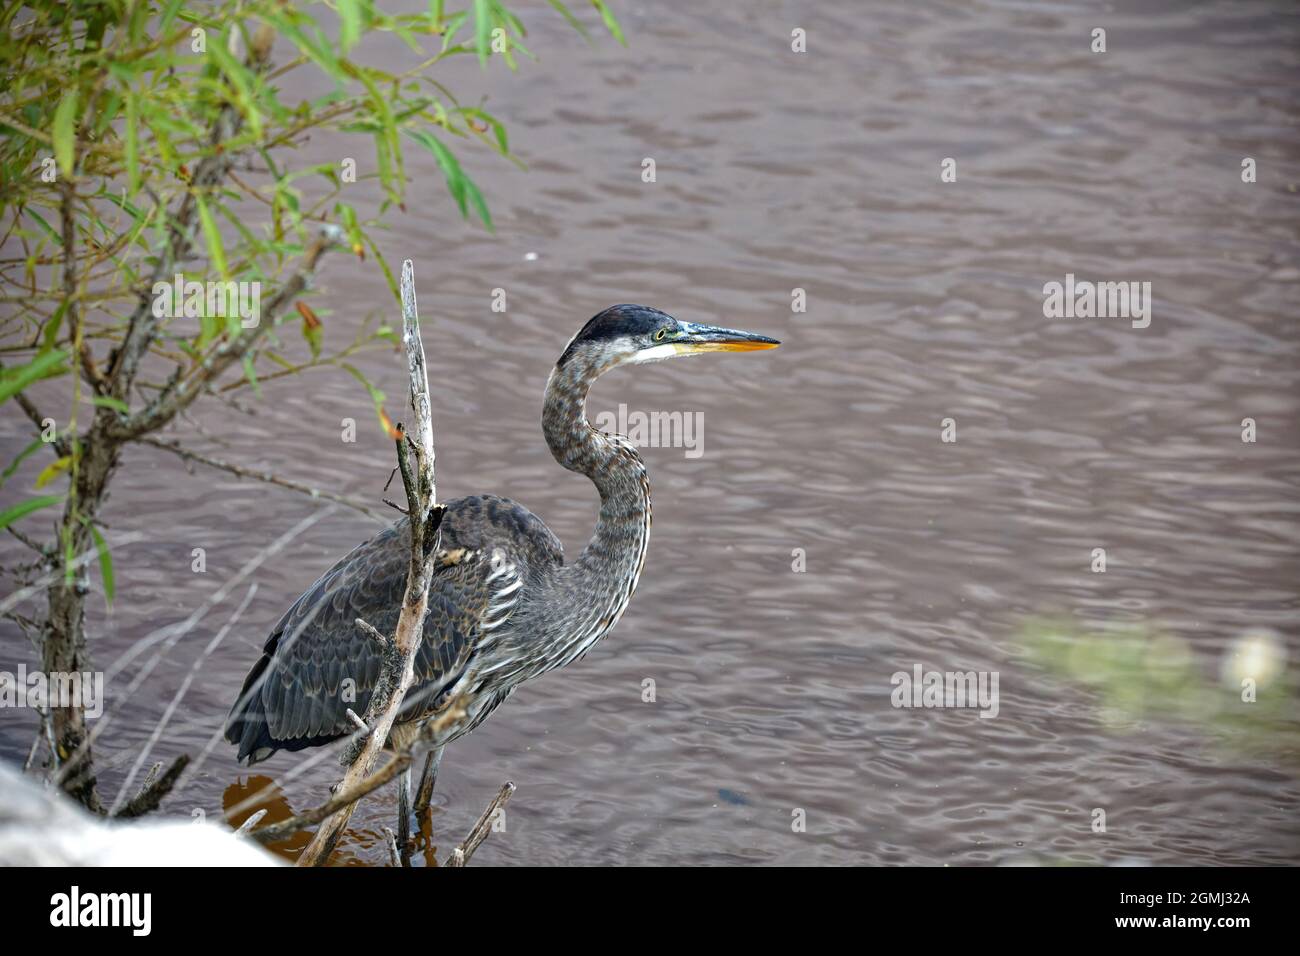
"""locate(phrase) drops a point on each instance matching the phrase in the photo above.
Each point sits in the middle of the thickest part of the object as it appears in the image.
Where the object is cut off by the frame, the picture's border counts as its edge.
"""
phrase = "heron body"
(504, 606)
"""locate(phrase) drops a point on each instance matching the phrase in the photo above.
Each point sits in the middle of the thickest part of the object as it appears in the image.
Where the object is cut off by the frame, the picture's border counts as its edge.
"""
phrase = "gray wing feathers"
(320, 663)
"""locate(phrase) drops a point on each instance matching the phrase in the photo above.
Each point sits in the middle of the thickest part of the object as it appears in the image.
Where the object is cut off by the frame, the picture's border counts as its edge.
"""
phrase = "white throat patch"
(654, 354)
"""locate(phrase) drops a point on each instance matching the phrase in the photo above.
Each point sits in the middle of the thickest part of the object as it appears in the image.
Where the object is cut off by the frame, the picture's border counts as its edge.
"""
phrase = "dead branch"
(344, 800)
(397, 672)
(149, 798)
(390, 841)
(150, 777)
(46, 553)
(460, 856)
(251, 822)
(451, 715)
(381, 639)
(60, 445)
(84, 558)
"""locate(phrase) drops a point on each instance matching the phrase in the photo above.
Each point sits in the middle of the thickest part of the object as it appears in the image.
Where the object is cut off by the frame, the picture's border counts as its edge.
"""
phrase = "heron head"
(626, 334)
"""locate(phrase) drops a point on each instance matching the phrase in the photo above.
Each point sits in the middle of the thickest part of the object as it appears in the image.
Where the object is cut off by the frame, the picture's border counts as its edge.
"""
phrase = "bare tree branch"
(390, 842)
(45, 552)
(252, 821)
(60, 445)
(344, 798)
(39, 585)
(460, 856)
(271, 479)
(149, 798)
(397, 672)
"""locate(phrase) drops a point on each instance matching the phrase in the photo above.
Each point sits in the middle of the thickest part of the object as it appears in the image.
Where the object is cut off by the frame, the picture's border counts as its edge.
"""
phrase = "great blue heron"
(504, 607)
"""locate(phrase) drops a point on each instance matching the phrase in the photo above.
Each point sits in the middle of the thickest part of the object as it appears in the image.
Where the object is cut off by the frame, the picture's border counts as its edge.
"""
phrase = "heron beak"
(712, 338)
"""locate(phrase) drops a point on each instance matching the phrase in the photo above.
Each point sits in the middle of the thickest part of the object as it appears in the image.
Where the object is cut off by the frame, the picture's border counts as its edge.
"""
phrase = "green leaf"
(480, 206)
(319, 53)
(242, 79)
(483, 30)
(349, 24)
(458, 184)
(498, 127)
(24, 508)
(376, 395)
(611, 23)
(132, 143)
(574, 22)
(50, 334)
(215, 248)
(107, 401)
(69, 557)
(64, 129)
(52, 471)
(251, 374)
(376, 398)
(14, 380)
(387, 145)
(22, 456)
(169, 14)
(105, 562)
(313, 335)
(40, 220)
(383, 265)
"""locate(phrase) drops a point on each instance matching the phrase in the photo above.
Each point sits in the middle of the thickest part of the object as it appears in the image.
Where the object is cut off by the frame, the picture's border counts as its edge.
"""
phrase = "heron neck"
(611, 562)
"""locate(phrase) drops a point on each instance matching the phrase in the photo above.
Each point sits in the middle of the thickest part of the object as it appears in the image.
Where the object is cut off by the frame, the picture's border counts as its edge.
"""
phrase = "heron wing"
(318, 663)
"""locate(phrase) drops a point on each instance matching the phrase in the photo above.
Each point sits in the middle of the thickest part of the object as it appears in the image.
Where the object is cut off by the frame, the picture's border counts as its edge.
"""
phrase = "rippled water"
(821, 171)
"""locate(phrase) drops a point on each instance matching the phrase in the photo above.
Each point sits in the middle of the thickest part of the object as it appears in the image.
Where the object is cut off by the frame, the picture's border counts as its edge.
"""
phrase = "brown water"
(821, 171)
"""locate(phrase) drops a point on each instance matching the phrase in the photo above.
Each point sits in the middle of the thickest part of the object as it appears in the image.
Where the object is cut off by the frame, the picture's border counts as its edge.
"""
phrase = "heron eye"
(660, 334)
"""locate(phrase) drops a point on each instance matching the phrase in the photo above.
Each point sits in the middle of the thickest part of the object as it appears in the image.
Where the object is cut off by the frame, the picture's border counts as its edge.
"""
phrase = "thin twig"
(180, 692)
(149, 799)
(44, 552)
(338, 802)
(397, 672)
(80, 561)
(383, 640)
(150, 777)
(390, 840)
(169, 634)
(451, 716)
(460, 856)
(36, 744)
(270, 478)
(60, 445)
(246, 827)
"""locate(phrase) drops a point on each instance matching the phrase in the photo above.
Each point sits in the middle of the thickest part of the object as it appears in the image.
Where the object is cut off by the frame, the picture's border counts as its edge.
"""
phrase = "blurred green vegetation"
(1142, 675)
